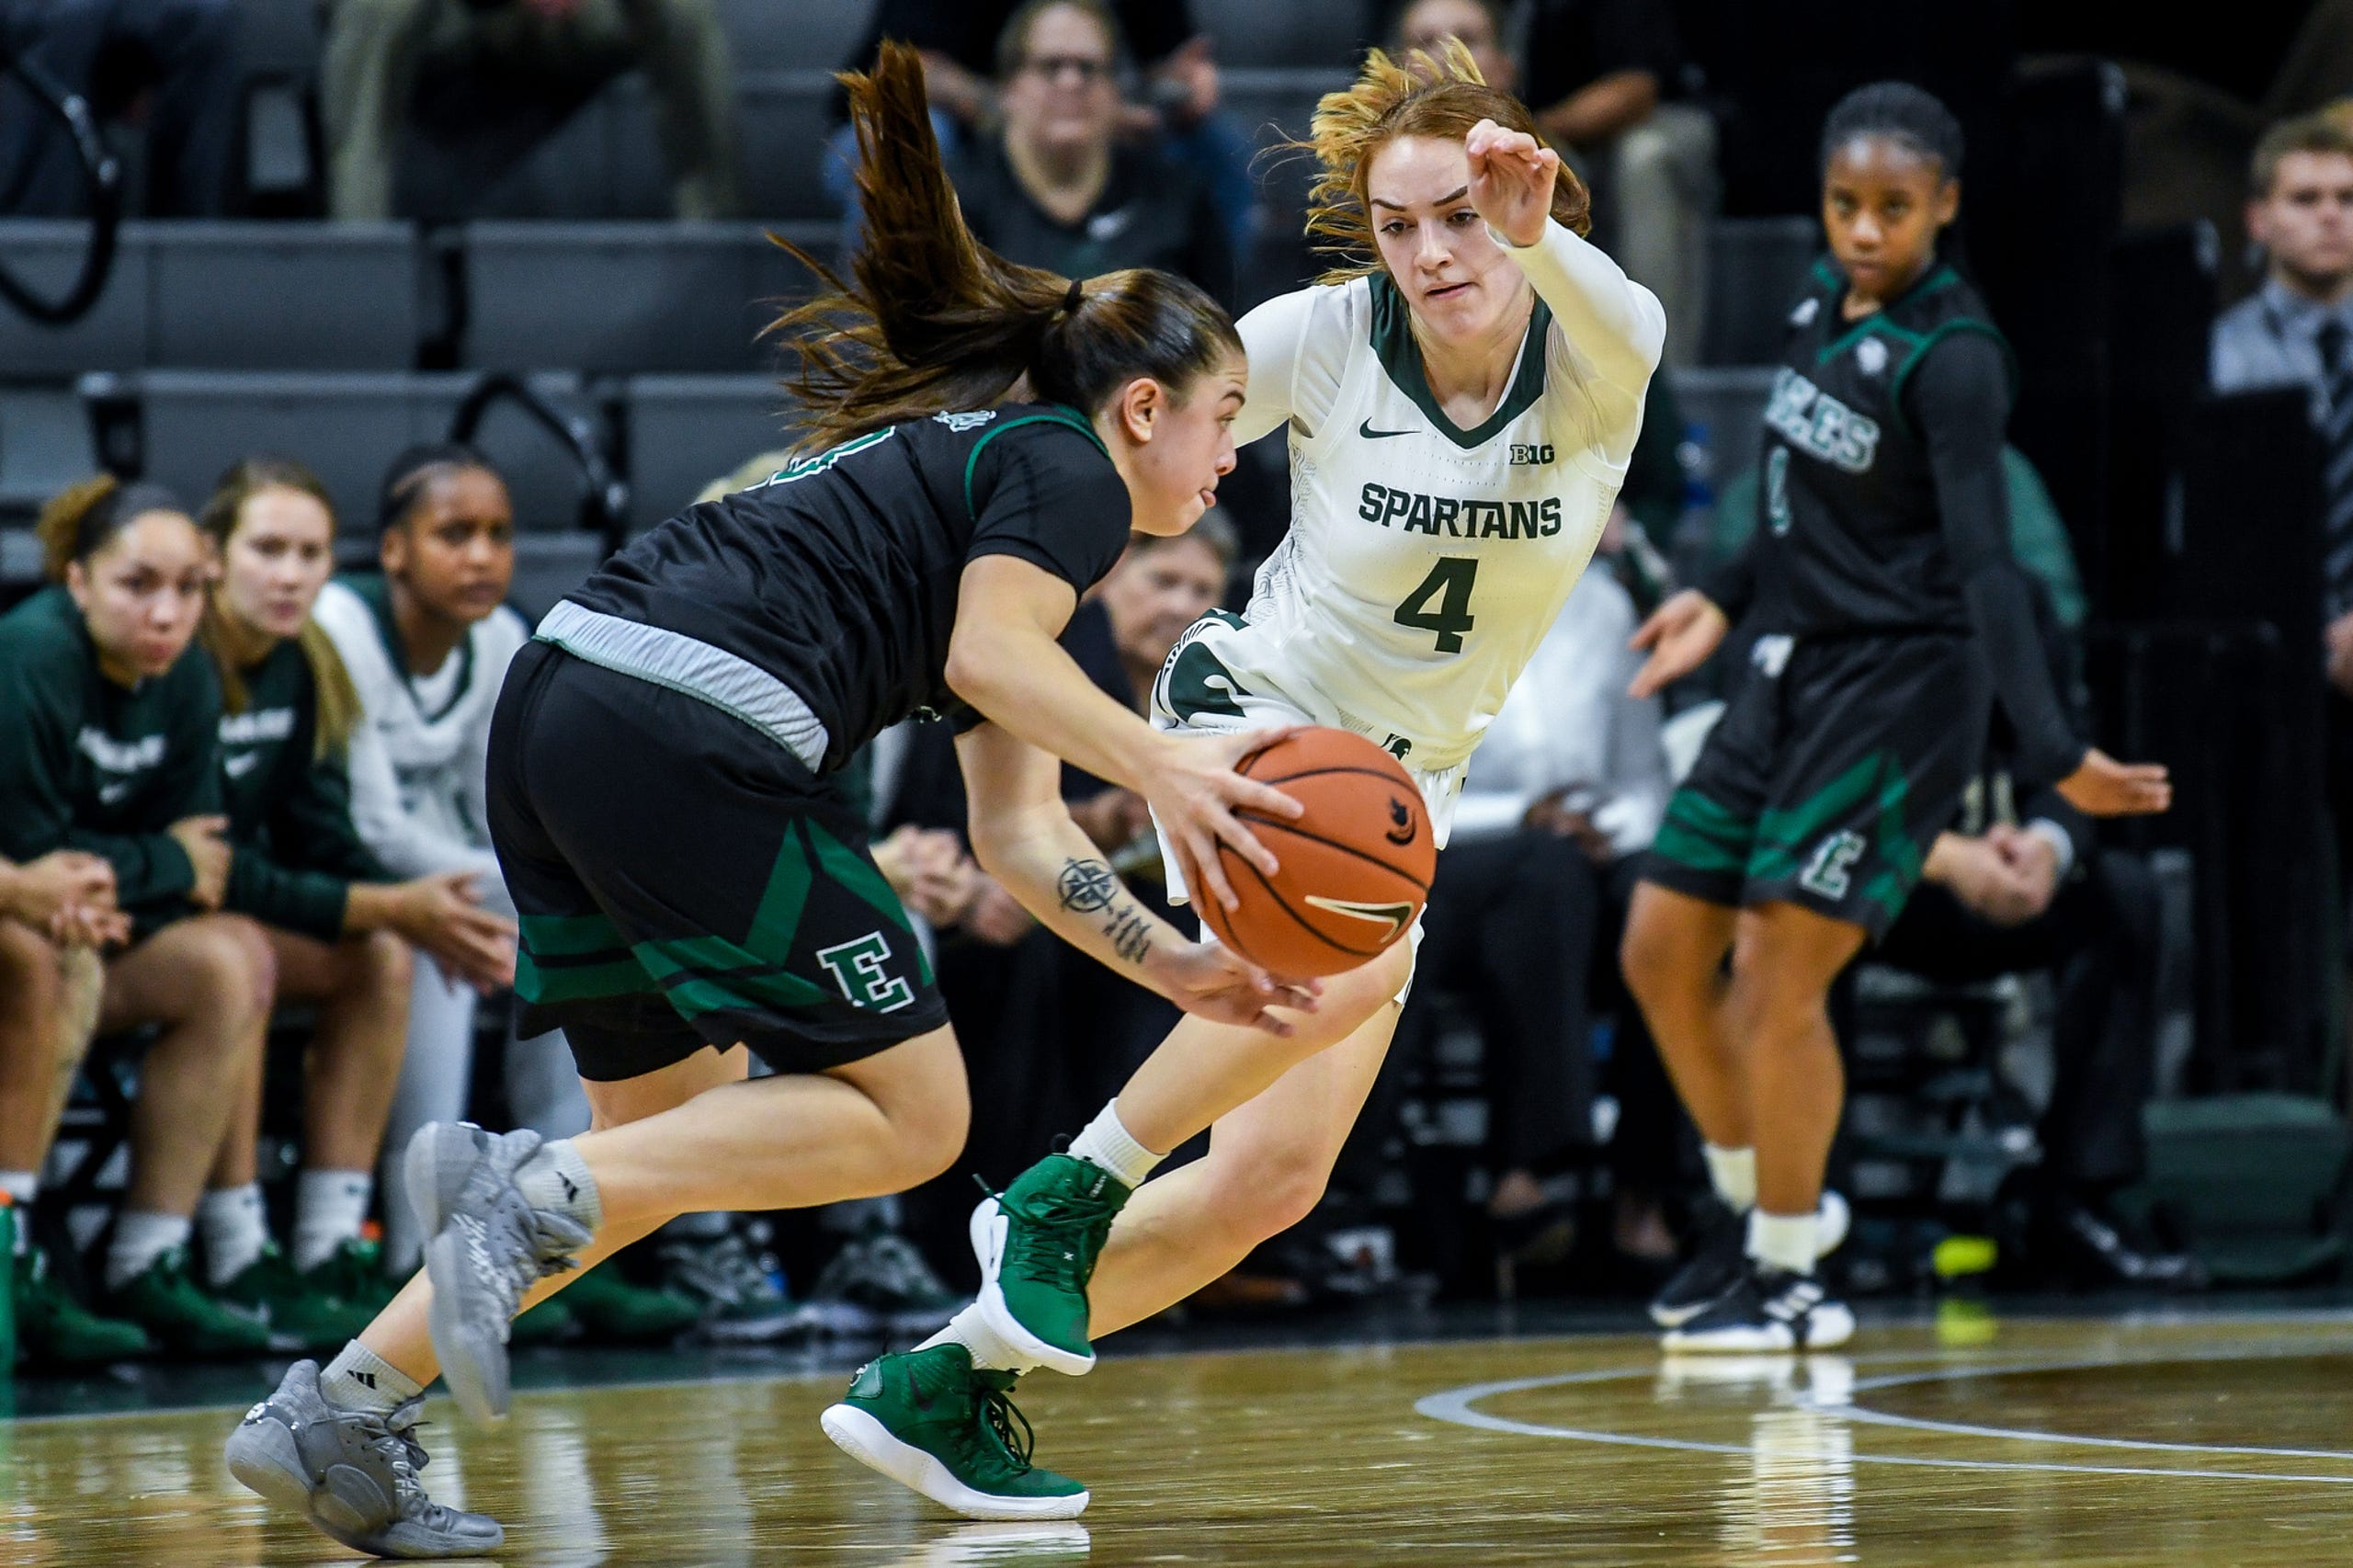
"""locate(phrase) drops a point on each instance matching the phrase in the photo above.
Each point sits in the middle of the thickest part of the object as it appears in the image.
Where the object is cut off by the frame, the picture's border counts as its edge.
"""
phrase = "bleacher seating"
(626, 296)
(1755, 267)
(685, 431)
(1252, 33)
(203, 295)
(1727, 405)
(765, 35)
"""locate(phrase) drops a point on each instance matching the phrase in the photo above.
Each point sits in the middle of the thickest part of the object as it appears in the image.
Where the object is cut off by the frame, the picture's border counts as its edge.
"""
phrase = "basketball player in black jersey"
(1884, 569)
(693, 887)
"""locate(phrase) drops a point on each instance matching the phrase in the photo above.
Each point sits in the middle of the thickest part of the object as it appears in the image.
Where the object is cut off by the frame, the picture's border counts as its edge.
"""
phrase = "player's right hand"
(2103, 787)
(1196, 794)
(205, 842)
(1678, 636)
(1221, 986)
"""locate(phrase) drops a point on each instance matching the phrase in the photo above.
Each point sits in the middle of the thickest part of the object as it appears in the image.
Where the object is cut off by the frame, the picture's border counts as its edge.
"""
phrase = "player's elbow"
(976, 666)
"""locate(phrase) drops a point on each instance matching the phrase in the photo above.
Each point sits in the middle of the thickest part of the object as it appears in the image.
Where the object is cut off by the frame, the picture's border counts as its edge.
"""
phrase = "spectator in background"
(335, 922)
(1597, 73)
(1566, 790)
(2297, 330)
(1056, 188)
(109, 743)
(426, 642)
(178, 58)
(379, 51)
(1176, 109)
(56, 913)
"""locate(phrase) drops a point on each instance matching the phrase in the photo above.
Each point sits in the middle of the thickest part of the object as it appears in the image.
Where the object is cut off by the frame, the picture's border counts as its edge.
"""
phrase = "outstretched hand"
(1678, 636)
(1221, 986)
(1511, 180)
(2103, 787)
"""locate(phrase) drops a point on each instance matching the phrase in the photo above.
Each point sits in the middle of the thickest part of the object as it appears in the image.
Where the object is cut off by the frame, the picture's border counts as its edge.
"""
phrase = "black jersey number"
(1449, 585)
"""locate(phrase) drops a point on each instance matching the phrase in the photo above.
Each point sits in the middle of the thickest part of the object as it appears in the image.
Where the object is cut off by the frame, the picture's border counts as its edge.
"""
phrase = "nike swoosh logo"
(1394, 916)
(238, 767)
(1369, 434)
(110, 793)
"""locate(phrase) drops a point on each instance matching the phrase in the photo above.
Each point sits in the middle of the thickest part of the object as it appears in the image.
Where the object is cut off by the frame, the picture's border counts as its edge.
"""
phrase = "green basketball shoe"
(181, 1317)
(354, 1272)
(931, 1421)
(302, 1314)
(1036, 1242)
(54, 1330)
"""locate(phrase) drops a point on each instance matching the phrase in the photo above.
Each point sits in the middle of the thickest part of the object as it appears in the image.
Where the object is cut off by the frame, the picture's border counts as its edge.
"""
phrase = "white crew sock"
(139, 1241)
(557, 1177)
(361, 1380)
(21, 1187)
(1785, 1241)
(235, 1229)
(990, 1352)
(1732, 1172)
(330, 1208)
(1107, 1145)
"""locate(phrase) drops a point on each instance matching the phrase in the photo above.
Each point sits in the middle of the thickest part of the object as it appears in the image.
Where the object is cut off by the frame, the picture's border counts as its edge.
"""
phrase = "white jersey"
(420, 752)
(1425, 563)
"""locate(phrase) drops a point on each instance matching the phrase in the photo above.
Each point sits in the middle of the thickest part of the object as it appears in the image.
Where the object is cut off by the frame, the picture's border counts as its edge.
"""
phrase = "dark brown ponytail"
(934, 323)
(82, 519)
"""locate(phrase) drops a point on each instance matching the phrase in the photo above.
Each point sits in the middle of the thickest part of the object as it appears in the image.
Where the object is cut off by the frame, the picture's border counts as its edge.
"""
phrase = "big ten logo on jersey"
(1524, 455)
(1812, 421)
(857, 967)
(1412, 512)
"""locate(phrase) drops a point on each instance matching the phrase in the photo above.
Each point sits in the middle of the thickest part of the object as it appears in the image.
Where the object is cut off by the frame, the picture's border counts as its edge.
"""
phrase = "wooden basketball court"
(2208, 1440)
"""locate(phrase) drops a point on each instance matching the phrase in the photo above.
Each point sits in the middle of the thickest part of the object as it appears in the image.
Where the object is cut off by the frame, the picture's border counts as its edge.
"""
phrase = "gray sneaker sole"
(988, 1229)
(262, 1455)
(868, 1441)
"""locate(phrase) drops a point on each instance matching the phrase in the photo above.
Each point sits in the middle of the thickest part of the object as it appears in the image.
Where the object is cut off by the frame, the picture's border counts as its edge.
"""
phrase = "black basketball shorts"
(683, 880)
(1829, 776)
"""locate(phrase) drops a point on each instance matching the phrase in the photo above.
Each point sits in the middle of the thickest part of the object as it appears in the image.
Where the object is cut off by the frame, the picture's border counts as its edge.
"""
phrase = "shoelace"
(1002, 1416)
(548, 1241)
(1046, 1253)
(394, 1436)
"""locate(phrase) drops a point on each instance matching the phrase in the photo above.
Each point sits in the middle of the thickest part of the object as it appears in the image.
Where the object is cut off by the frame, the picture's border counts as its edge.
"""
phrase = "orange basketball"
(1355, 869)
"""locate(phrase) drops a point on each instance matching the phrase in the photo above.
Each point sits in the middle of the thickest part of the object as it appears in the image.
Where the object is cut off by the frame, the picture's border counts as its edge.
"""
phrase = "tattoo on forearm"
(1090, 887)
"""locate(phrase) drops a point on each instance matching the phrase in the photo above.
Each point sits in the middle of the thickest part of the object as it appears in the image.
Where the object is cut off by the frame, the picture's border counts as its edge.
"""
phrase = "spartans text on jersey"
(1465, 519)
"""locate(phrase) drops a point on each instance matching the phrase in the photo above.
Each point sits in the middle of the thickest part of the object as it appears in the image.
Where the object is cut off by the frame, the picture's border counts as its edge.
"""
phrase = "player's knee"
(1651, 960)
(29, 971)
(235, 972)
(385, 964)
(931, 1131)
(1267, 1193)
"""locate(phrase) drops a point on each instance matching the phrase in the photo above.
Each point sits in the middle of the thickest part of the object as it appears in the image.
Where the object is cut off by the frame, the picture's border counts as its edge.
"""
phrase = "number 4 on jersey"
(1449, 584)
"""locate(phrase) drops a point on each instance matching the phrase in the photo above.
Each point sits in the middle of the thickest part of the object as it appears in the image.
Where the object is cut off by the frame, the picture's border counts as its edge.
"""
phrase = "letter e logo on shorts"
(856, 968)
(1826, 872)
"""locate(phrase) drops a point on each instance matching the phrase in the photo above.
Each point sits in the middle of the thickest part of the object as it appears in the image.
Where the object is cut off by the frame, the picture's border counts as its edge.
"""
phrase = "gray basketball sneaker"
(488, 1246)
(351, 1473)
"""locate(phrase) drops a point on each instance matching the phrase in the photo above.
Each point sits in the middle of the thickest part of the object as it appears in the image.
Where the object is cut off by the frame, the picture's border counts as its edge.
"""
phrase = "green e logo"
(856, 968)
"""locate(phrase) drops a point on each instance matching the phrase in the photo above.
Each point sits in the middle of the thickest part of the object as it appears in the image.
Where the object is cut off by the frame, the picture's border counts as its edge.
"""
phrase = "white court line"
(1458, 1406)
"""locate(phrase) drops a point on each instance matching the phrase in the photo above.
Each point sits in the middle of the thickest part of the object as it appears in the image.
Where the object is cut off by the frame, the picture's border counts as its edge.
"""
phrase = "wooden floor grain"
(2043, 1443)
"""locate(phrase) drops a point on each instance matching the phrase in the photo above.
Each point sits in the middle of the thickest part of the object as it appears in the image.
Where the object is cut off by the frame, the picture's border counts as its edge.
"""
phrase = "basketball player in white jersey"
(1461, 402)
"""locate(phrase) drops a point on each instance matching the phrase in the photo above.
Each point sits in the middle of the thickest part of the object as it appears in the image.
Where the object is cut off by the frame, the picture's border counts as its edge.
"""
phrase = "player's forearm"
(1023, 681)
(1055, 873)
(1601, 108)
(1612, 321)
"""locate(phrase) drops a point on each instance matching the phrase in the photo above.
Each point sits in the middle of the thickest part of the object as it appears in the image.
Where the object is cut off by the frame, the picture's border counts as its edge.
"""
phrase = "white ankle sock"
(361, 1380)
(21, 1187)
(139, 1241)
(1107, 1145)
(557, 1177)
(990, 1352)
(1785, 1241)
(330, 1207)
(1732, 1172)
(235, 1229)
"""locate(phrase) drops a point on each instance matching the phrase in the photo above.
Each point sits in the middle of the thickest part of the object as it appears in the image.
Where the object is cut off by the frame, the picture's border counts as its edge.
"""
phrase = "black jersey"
(837, 579)
(1881, 495)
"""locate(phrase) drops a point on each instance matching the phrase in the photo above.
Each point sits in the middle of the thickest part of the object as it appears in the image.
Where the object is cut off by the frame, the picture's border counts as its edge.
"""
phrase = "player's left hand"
(1511, 180)
(1218, 985)
(2103, 787)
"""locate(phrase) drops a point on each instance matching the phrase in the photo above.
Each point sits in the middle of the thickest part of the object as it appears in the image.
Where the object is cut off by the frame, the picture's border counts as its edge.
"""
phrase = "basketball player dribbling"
(692, 884)
(1461, 402)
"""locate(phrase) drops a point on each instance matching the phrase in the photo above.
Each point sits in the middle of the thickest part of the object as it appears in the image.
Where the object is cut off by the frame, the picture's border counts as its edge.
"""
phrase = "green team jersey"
(86, 764)
(289, 809)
